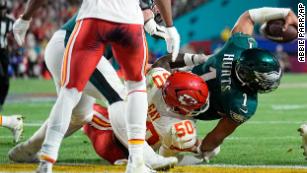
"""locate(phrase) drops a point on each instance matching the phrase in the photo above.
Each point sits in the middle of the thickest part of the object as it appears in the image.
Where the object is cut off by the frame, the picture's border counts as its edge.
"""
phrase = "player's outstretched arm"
(173, 38)
(22, 24)
(248, 19)
(215, 138)
(182, 60)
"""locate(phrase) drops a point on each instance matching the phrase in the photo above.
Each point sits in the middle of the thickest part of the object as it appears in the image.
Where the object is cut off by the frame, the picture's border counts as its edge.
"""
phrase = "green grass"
(269, 138)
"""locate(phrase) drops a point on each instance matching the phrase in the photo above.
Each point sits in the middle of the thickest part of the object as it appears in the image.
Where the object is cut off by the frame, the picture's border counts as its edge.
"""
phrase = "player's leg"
(4, 77)
(131, 53)
(53, 55)
(102, 137)
(151, 158)
(54, 51)
(81, 57)
(14, 123)
(27, 151)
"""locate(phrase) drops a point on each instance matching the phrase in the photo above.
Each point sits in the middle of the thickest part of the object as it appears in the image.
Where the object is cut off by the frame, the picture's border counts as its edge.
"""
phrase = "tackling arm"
(182, 60)
(31, 8)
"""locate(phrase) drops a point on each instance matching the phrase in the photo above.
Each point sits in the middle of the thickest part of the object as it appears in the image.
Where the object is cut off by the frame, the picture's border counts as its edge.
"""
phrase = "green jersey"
(227, 96)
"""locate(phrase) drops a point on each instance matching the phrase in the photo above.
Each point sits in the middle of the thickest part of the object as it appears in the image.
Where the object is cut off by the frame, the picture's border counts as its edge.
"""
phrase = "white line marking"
(255, 166)
(263, 138)
(289, 106)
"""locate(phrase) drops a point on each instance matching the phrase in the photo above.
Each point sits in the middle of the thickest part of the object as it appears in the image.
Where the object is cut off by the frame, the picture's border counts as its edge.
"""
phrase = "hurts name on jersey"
(226, 72)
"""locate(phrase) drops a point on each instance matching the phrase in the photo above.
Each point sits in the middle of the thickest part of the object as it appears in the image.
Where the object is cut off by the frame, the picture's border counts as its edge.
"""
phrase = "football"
(273, 30)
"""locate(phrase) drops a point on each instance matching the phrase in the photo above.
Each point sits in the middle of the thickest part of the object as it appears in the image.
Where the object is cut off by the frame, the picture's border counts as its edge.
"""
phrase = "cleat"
(164, 163)
(20, 153)
(137, 165)
(17, 130)
(303, 133)
(121, 162)
(44, 167)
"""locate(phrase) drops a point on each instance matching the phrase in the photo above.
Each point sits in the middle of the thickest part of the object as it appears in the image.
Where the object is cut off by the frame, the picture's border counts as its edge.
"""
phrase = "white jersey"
(162, 118)
(119, 11)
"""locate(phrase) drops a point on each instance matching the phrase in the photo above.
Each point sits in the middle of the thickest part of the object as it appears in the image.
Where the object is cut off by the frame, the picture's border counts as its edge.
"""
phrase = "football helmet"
(259, 70)
(186, 93)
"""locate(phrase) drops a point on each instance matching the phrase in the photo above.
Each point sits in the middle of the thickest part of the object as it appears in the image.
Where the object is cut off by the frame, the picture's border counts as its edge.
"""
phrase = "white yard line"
(254, 166)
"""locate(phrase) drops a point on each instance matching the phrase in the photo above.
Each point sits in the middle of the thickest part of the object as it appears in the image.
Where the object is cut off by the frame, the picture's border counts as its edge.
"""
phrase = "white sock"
(8, 121)
(58, 123)
(136, 117)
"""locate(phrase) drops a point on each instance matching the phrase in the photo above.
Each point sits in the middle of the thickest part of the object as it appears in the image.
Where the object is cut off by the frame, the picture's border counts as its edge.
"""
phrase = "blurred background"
(204, 26)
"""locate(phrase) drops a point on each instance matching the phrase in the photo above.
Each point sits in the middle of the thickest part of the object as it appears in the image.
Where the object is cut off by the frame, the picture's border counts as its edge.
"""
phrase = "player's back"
(118, 11)
(227, 96)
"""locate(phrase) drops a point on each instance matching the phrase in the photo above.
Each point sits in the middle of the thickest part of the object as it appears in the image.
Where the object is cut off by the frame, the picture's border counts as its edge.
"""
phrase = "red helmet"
(186, 93)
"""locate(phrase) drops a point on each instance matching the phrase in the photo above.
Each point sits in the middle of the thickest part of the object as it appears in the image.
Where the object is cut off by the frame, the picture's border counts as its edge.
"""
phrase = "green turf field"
(269, 138)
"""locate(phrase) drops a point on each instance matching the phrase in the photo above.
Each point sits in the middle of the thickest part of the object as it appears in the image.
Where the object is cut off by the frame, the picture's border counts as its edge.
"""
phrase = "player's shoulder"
(156, 77)
(242, 106)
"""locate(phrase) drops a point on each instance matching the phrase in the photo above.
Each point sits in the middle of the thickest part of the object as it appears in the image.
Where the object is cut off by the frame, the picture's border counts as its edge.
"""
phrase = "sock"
(58, 123)
(136, 117)
(8, 121)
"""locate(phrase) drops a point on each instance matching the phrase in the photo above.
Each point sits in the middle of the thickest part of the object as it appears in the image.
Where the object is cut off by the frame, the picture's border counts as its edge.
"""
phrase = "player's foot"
(121, 162)
(137, 165)
(21, 153)
(303, 133)
(164, 163)
(44, 167)
(17, 127)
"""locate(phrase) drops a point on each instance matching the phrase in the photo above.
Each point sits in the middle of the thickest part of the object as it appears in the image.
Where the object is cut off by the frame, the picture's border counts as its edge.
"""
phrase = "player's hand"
(155, 30)
(208, 155)
(172, 42)
(20, 28)
(291, 19)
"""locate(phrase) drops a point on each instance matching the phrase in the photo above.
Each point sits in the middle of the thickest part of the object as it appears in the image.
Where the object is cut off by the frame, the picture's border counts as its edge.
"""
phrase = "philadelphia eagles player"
(235, 75)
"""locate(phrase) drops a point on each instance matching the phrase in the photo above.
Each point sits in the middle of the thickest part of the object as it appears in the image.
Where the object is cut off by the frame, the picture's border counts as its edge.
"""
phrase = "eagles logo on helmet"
(185, 92)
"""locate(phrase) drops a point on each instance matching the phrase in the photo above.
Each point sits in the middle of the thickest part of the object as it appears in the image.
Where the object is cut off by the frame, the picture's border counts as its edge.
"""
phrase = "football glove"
(172, 42)
(155, 30)
(20, 28)
(208, 155)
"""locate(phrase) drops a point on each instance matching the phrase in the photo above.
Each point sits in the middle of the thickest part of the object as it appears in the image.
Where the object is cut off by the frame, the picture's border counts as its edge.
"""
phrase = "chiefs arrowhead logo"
(187, 100)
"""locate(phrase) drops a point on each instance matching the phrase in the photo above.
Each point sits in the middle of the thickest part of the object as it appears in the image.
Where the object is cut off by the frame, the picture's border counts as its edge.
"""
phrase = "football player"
(106, 84)
(173, 100)
(235, 75)
(15, 124)
(99, 23)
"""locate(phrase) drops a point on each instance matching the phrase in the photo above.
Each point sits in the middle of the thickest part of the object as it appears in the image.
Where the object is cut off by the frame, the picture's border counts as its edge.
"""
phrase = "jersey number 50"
(183, 128)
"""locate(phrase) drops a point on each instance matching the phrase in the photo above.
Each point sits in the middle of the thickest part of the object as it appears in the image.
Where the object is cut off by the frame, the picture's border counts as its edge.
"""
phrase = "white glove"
(172, 42)
(208, 155)
(155, 30)
(20, 28)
